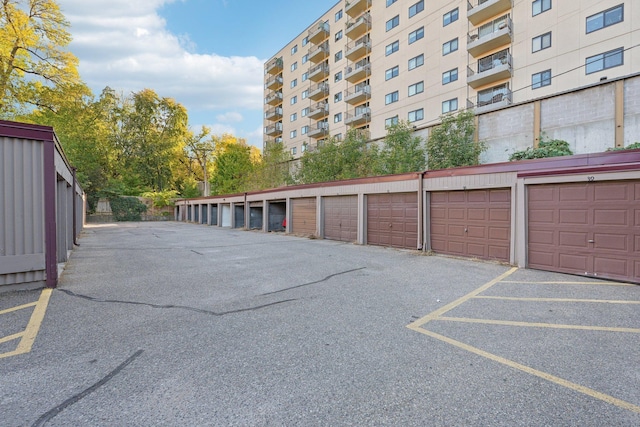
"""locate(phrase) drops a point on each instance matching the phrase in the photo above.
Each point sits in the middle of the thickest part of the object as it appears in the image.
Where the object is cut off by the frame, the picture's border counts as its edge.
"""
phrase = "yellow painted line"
(11, 337)
(435, 314)
(515, 365)
(20, 307)
(31, 331)
(570, 283)
(539, 325)
(558, 300)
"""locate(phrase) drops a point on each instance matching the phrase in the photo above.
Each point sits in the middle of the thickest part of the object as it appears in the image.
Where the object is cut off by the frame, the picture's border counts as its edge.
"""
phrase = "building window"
(415, 62)
(416, 8)
(539, 6)
(391, 121)
(416, 115)
(294, 150)
(294, 99)
(450, 17)
(294, 83)
(613, 58)
(305, 76)
(305, 58)
(294, 66)
(390, 2)
(416, 35)
(305, 93)
(338, 15)
(449, 76)
(605, 19)
(293, 134)
(304, 112)
(391, 73)
(416, 88)
(391, 48)
(338, 35)
(393, 22)
(304, 147)
(294, 117)
(305, 41)
(541, 79)
(294, 49)
(337, 118)
(338, 76)
(541, 42)
(390, 98)
(450, 46)
(337, 97)
(304, 130)
(338, 56)
(450, 105)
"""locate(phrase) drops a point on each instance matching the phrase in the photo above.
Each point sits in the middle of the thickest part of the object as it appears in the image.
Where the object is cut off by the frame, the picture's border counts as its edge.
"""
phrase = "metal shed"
(41, 206)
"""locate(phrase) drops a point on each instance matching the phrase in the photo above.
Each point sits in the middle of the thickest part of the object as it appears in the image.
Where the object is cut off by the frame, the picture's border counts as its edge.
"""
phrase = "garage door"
(303, 216)
(475, 223)
(392, 220)
(341, 218)
(587, 228)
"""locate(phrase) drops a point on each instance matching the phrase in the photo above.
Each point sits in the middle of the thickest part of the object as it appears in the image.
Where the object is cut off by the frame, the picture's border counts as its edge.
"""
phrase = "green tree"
(33, 59)
(402, 151)
(451, 144)
(273, 169)
(546, 148)
(233, 165)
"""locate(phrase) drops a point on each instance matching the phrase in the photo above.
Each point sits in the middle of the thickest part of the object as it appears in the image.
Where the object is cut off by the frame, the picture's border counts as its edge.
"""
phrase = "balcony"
(355, 28)
(319, 111)
(274, 66)
(274, 129)
(359, 48)
(354, 8)
(490, 69)
(319, 91)
(355, 72)
(319, 72)
(319, 53)
(358, 116)
(491, 99)
(273, 141)
(274, 98)
(358, 94)
(490, 36)
(320, 131)
(319, 33)
(274, 83)
(481, 10)
(273, 114)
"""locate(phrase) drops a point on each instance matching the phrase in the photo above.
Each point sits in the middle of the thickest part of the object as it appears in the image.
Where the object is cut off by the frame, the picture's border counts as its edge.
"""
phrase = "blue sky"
(206, 54)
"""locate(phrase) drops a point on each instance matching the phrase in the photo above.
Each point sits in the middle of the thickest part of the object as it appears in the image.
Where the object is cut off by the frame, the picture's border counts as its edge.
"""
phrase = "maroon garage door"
(587, 228)
(341, 218)
(392, 220)
(303, 216)
(475, 223)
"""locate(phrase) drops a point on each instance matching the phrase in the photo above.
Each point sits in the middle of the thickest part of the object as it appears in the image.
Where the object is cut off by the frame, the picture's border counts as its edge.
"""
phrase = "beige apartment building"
(366, 64)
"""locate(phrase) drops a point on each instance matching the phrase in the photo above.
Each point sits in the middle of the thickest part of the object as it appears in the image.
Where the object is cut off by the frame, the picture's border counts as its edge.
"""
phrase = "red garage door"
(341, 218)
(475, 223)
(587, 228)
(392, 220)
(303, 213)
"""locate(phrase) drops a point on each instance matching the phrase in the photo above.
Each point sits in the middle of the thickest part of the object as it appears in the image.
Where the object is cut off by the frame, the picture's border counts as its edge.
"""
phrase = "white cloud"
(124, 44)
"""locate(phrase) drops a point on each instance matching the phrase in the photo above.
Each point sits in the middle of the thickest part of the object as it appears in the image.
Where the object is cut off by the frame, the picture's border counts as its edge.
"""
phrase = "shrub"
(546, 148)
(127, 208)
(634, 146)
(451, 144)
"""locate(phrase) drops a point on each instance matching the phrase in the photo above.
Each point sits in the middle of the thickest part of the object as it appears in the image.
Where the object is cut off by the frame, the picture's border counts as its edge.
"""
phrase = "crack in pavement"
(313, 283)
(46, 417)
(179, 307)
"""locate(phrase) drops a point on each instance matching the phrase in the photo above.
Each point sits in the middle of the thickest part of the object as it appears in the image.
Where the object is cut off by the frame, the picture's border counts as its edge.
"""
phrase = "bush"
(546, 148)
(127, 208)
(451, 144)
(634, 146)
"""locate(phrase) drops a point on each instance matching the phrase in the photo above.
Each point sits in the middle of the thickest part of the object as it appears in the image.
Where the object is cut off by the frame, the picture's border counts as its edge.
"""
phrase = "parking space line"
(518, 282)
(11, 337)
(31, 331)
(538, 325)
(557, 380)
(558, 300)
(20, 307)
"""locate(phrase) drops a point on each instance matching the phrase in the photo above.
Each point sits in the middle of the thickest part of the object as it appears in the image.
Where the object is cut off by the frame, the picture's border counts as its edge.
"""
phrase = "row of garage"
(578, 215)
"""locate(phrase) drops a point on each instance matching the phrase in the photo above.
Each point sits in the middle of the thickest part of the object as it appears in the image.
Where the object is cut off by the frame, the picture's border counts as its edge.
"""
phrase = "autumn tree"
(402, 151)
(274, 168)
(451, 144)
(233, 165)
(33, 59)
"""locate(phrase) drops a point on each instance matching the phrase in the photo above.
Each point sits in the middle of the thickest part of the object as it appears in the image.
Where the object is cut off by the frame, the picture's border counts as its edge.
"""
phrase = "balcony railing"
(319, 53)
(319, 110)
(354, 28)
(319, 91)
(274, 82)
(354, 8)
(274, 66)
(359, 48)
(358, 116)
(274, 98)
(490, 36)
(481, 10)
(273, 114)
(358, 71)
(321, 129)
(490, 69)
(319, 72)
(490, 99)
(357, 94)
(274, 129)
(318, 33)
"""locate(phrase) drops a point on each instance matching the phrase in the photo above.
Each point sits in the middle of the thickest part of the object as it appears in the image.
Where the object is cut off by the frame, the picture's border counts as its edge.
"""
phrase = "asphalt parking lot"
(182, 324)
